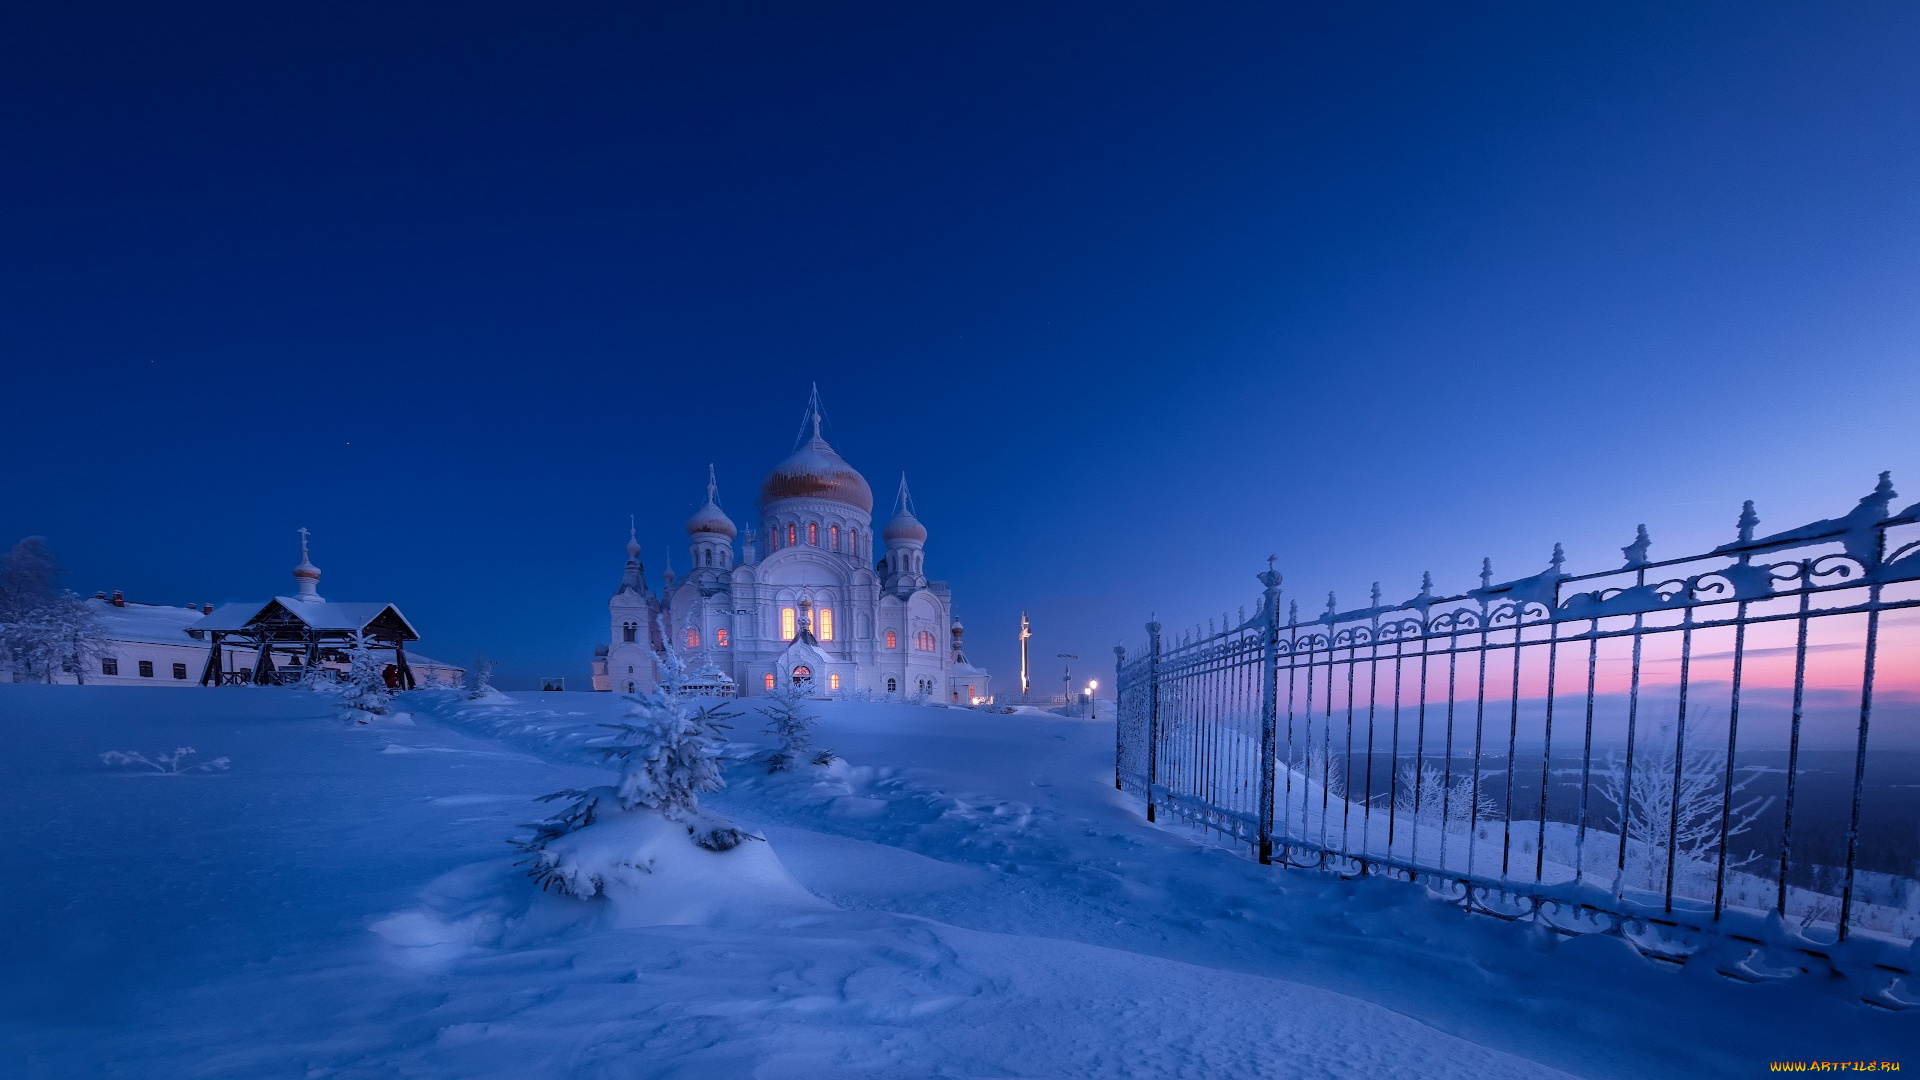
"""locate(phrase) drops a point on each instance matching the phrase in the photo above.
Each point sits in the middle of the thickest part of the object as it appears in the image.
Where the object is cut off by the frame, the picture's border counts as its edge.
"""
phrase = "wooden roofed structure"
(290, 635)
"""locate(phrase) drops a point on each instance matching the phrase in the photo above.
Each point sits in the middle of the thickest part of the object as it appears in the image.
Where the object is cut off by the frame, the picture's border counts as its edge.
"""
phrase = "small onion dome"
(711, 519)
(905, 526)
(815, 472)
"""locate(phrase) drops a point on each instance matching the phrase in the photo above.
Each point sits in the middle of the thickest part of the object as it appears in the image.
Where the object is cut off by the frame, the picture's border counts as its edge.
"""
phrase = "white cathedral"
(815, 609)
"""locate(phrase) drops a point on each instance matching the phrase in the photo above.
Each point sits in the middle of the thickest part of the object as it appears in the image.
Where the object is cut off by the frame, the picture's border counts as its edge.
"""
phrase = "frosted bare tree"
(1656, 804)
(1439, 800)
(43, 630)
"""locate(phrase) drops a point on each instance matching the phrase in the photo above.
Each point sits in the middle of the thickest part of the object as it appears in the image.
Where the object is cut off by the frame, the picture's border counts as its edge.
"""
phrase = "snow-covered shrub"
(789, 719)
(365, 693)
(669, 754)
(480, 679)
(170, 764)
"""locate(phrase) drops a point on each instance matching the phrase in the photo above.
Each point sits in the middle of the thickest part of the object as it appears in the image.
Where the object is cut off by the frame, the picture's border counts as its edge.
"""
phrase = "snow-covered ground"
(973, 899)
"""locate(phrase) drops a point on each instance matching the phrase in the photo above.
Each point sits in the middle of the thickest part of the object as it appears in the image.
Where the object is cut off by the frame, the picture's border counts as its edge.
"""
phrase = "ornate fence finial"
(1559, 560)
(1243, 613)
(1426, 583)
(1748, 519)
(1376, 594)
(1271, 579)
(1332, 608)
(1293, 613)
(1486, 574)
(1636, 552)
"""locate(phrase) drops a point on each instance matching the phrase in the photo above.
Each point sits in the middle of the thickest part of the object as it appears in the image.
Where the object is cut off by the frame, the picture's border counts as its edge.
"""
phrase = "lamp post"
(1066, 679)
(1092, 685)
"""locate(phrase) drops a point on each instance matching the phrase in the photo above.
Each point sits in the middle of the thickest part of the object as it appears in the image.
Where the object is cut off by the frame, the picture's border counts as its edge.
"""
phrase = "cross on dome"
(306, 576)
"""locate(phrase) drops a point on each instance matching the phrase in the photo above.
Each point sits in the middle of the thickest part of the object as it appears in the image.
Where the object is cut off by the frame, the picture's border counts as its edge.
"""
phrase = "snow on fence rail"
(1666, 750)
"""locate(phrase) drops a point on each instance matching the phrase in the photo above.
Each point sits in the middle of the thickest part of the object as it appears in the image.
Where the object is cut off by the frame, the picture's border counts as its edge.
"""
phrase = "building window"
(802, 674)
(146, 669)
(853, 541)
(826, 624)
(627, 631)
(693, 637)
(786, 624)
(833, 535)
(790, 534)
(892, 686)
(923, 640)
(833, 681)
(720, 637)
(893, 640)
(109, 665)
(179, 671)
(813, 533)
(629, 686)
(769, 680)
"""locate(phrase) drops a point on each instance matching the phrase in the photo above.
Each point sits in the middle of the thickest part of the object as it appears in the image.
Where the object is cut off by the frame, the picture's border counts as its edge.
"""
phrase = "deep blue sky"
(1136, 294)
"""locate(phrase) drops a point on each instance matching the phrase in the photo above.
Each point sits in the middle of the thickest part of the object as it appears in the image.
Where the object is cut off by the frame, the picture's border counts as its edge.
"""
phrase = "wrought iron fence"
(1680, 744)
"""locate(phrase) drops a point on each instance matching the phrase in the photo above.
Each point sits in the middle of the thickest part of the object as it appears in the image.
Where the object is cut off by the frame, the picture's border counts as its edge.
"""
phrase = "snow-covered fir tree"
(480, 679)
(365, 694)
(789, 719)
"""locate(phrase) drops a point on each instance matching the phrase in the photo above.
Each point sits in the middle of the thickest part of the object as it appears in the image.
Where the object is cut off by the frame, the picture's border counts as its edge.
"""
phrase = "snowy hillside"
(958, 895)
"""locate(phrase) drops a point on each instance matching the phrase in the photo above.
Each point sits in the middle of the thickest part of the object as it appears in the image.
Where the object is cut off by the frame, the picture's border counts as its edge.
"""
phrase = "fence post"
(1153, 712)
(1269, 708)
(1119, 736)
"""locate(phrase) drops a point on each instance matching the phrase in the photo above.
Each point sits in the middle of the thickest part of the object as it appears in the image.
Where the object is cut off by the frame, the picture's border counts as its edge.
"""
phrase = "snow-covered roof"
(153, 623)
(320, 615)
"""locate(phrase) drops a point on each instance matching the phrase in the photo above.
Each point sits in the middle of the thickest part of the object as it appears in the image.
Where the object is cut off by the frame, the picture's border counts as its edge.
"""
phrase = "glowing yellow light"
(826, 624)
(786, 624)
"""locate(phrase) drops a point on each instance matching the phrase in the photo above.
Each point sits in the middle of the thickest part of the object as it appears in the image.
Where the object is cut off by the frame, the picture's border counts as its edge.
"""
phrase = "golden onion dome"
(815, 472)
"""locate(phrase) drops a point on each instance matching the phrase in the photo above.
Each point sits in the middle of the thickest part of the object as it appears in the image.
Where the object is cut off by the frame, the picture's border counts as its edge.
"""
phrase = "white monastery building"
(803, 600)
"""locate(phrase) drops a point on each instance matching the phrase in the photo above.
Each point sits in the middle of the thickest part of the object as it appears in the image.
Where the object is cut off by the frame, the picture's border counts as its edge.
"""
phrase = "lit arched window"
(786, 624)
(853, 541)
(826, 624)
(720, 637)
(893, 640)
(892, 686)
(790, 534)
(923, 640)
(769, 680)
(693, 637)
(833, 681)
(833, 537)
(813, 533)
(802, 674)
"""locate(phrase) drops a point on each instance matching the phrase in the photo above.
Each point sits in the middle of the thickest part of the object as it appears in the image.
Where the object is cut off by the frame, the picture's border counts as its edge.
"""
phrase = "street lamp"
(1092, 685)
(1066, 678)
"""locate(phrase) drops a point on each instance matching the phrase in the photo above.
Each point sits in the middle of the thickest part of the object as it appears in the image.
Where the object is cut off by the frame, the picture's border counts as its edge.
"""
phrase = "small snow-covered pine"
(480, 679)
(365, 694)
(789, 720)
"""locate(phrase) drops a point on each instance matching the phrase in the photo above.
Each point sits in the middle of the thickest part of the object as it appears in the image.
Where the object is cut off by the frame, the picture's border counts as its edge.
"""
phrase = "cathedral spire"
(633, 540)
(814, 415)
(903, 500)
(713, 487)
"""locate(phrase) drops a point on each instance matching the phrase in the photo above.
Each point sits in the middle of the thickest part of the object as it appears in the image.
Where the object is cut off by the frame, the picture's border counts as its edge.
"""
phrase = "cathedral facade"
(812, 597)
